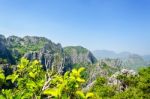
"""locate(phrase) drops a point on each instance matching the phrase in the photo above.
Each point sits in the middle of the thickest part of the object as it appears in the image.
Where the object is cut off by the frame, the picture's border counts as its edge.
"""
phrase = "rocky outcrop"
(48, 56)
(4, 52)
(114, 81)
(78, 54)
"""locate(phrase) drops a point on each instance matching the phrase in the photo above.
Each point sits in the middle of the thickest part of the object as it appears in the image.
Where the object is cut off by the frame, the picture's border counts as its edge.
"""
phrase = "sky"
(118, 25)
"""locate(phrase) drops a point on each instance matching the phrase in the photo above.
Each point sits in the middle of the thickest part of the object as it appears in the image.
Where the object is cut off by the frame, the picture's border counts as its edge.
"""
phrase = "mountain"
(101, 54)
(78, 55)
(128, 59)
(134, 61)
(31, 47)
(51, 55)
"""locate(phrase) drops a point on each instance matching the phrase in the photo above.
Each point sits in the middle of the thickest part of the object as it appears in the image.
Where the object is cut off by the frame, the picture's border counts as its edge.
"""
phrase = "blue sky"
(118, 25)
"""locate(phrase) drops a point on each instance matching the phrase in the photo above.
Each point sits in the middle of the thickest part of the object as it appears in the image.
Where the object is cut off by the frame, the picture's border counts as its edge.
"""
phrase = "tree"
(31, 81)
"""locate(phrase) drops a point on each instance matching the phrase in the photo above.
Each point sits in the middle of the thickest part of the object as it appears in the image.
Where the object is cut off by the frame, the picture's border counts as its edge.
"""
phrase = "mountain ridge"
(50, 54)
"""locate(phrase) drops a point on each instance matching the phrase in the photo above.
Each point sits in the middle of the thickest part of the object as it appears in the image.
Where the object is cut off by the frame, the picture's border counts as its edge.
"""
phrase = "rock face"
(49, 56)
(4, 52)
(77, 55)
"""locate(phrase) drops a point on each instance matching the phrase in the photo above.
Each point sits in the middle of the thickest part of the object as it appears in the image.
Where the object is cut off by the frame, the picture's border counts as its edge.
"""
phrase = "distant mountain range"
(128, 59)
(101, 54)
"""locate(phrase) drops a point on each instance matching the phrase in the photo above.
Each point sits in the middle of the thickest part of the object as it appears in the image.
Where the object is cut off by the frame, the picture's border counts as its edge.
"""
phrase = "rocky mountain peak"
(79, 54)
(51, 55)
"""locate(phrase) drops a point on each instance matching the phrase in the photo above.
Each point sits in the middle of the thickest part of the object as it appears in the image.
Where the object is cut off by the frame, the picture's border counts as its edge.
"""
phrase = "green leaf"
(2, 97)
(80, 70)
(2, 76)
(1, 71)
(80, 94)
(75, 72)
(35, 62)
(89, 95)
(31, 84)
(21, 67)
(12, 77)
(40, 83)
(52, 92)
(66, 75)
(31, 74)
(80, 80)
(27, 96)
(24, 61)
(7, 93)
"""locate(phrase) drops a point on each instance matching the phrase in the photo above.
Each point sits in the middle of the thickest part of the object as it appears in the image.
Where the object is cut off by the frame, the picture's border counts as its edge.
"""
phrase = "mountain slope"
(51, 55)
(32, 47)
(79, 54)
(76, 55)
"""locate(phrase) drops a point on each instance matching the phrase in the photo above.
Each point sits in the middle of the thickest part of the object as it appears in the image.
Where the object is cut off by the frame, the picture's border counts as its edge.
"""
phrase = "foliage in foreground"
(29, 80)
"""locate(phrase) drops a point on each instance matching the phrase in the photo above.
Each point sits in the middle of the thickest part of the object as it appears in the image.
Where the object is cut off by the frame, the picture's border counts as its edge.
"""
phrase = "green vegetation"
(138, 87)
(102, 90)
(3, 61)
(29, 80)
(110, 70)
(68, 86)
(77, 49)
(22, 49)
